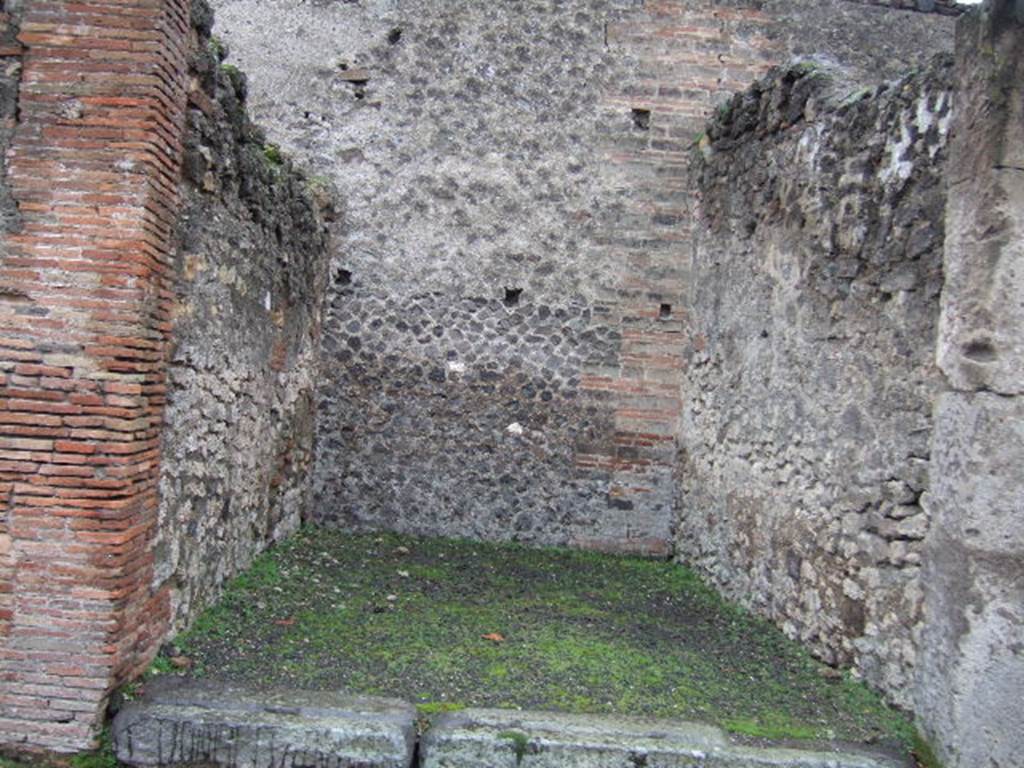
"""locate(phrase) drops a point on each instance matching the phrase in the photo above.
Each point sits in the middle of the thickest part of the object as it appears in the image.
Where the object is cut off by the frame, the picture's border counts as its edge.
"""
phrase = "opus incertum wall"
(250, 264)
(818, 269)
(853, 438)
(506, 322)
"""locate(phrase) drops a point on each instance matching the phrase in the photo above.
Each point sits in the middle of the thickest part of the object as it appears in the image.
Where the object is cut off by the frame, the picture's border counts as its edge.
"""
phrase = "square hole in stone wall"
(642, 119)
(665, 311)
(512, 296)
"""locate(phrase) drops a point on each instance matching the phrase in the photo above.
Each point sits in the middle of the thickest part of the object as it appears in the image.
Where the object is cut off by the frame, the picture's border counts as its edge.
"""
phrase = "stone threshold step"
(496, 738)
(217, 726)
(198, 723)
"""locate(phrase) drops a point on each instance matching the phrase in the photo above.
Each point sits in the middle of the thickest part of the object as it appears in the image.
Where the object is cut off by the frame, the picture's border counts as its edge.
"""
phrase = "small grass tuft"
(923, 752)
(161, 666)
(217, 48)
(273, 154)
(102, 758)
(520, 743)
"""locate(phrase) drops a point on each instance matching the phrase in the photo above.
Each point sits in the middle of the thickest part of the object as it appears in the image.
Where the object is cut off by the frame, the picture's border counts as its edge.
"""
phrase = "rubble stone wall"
(507, 317)
(250, 259)
(817, 270)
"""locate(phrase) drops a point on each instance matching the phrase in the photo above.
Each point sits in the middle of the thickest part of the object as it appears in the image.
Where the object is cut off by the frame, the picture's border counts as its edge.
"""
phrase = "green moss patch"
(450, 624)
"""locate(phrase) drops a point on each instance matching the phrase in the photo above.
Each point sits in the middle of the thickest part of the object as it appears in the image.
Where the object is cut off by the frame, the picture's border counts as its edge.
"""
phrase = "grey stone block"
(229, 727)
(484, 738)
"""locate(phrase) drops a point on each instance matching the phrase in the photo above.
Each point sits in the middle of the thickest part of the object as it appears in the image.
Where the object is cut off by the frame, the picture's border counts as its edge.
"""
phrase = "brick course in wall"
(10, 76)
(84, 313)
(690, 56)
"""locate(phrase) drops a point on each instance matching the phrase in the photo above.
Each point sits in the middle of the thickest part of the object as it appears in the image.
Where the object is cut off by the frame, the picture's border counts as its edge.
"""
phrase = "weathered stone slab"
(230, 727)
(483, 738)
(981, 346)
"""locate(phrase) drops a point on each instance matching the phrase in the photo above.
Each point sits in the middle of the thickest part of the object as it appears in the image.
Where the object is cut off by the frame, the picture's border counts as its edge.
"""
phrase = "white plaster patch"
(456, 366)
(944, 121)
(925, 117)
(810, 143)
(515, 428)
(899, 168)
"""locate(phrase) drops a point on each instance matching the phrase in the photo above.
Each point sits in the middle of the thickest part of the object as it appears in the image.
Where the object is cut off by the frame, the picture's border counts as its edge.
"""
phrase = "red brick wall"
(10, 66)
(83, 320)
(690, 55)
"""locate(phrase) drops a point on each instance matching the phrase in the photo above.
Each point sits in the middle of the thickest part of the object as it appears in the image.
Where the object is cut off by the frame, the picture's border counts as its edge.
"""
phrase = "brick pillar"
(84, 313)
(691, 54)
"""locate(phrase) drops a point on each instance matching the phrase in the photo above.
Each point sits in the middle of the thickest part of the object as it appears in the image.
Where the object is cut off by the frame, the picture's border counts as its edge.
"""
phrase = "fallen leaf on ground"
(284, 622)
(494, 637)
(181, 662)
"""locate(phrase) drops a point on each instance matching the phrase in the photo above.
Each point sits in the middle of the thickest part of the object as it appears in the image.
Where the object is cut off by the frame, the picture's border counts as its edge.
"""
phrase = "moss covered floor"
(448, 624)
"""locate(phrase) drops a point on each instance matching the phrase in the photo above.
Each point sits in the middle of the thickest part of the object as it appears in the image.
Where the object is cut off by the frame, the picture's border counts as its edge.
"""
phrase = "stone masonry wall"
(506, 323)
(10, 78)
(474, 342)
(136, 474)
(970, 686)
(817, 269)
(250, 261)
(92, 166)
